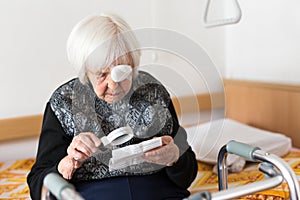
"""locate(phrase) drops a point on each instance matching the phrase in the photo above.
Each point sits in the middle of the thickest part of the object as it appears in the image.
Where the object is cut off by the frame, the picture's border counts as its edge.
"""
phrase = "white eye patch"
(120, 72)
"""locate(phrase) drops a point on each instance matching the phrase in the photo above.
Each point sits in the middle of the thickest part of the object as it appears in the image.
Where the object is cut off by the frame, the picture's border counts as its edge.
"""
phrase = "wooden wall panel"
(293, 124)
(198, 103)
(20, 127)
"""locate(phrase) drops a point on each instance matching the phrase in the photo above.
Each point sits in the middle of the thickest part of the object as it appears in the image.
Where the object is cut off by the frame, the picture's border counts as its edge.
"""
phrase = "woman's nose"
(110, 83)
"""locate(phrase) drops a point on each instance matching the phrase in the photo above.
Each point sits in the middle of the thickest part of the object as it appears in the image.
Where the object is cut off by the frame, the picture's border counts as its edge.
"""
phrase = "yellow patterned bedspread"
(13, 175)
(13, 184)
(208, 181)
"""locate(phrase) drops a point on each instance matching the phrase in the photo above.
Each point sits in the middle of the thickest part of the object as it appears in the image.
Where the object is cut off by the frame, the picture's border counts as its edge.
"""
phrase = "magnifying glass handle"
(105, 141)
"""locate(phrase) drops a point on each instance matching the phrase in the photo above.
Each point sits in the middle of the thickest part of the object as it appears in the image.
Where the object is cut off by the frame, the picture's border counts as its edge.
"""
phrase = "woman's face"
(107, 89)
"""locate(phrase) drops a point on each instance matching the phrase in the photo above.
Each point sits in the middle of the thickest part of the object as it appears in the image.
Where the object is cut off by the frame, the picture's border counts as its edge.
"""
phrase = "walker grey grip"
(56, 184)
(241, 149)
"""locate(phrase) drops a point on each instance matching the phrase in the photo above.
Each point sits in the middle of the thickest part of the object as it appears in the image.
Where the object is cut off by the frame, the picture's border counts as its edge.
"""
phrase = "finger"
(76, 154)
(90, 140)
(166, 139)
(156, 151)
(95, 139)
(77, 164)
(78, 149)
(66, 167)
(156, 160)
(167, 143)
(165, 155)
(157, 156)
(85, 143)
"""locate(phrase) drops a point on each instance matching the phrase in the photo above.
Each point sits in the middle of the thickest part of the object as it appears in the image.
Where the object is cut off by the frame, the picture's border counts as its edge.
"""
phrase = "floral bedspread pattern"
(13, 174)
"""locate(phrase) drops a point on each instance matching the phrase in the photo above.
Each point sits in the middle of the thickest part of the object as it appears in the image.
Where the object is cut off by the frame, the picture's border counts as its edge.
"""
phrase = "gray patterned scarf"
(144, 109)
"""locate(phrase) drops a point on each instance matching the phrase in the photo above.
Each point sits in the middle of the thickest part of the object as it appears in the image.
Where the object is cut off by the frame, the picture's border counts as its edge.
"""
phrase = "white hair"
(99, 40)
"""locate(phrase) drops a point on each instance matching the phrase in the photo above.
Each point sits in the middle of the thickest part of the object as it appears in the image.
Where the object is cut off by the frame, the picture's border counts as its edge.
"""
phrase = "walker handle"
(241, 149)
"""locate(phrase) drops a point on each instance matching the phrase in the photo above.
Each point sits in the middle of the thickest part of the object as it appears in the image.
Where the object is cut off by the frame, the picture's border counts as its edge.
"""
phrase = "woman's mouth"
(113, 94)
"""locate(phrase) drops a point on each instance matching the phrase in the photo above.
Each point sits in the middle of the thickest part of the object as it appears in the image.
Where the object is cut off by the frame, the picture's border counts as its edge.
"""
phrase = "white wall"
(265, 45)
(34, 32)
(187, 19)
(32, 52)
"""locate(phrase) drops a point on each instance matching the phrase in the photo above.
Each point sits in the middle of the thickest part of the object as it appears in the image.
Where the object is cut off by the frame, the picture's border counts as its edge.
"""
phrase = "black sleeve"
(53, 144)
(184, 171)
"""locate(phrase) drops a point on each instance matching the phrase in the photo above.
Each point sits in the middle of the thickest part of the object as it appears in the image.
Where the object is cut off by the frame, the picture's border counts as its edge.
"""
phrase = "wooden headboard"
(270, 106)
(274, 107)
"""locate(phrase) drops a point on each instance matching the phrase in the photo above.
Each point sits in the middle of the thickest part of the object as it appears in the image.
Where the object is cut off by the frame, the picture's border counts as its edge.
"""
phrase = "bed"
(271, 107)
(247, 172)
(18, 144)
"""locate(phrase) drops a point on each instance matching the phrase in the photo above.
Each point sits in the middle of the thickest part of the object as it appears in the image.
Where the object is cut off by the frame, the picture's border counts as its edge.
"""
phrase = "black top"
(149, 106)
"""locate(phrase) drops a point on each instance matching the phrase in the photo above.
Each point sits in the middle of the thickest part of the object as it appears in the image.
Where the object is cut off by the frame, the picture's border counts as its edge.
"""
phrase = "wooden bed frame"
(274, 107)
(270, 106)
(20, 127)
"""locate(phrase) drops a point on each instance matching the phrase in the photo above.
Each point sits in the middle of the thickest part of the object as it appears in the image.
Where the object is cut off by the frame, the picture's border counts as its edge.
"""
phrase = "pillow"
(207, 139)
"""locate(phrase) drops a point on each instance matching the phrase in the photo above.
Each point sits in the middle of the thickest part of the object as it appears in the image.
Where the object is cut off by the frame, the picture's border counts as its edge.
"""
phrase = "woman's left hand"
(167, 154)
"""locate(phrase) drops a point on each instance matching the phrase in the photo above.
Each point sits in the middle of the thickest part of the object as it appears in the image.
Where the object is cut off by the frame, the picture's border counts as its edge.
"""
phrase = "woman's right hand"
(81, 148)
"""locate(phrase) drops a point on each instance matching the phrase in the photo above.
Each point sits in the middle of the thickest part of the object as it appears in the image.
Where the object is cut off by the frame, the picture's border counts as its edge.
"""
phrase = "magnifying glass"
(117, 136)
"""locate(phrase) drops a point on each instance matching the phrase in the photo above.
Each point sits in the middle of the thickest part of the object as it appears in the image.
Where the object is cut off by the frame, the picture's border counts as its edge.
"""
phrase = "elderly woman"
(110, 93)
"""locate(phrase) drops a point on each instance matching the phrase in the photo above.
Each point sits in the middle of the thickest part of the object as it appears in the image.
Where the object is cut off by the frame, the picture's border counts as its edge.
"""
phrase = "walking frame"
(275, 169)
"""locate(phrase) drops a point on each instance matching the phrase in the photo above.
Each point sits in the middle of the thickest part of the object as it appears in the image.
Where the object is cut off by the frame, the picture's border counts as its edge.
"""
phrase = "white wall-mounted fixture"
(211, 10)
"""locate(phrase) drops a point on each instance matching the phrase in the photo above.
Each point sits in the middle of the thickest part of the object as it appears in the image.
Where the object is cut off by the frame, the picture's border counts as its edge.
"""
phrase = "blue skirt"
(148, 187)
